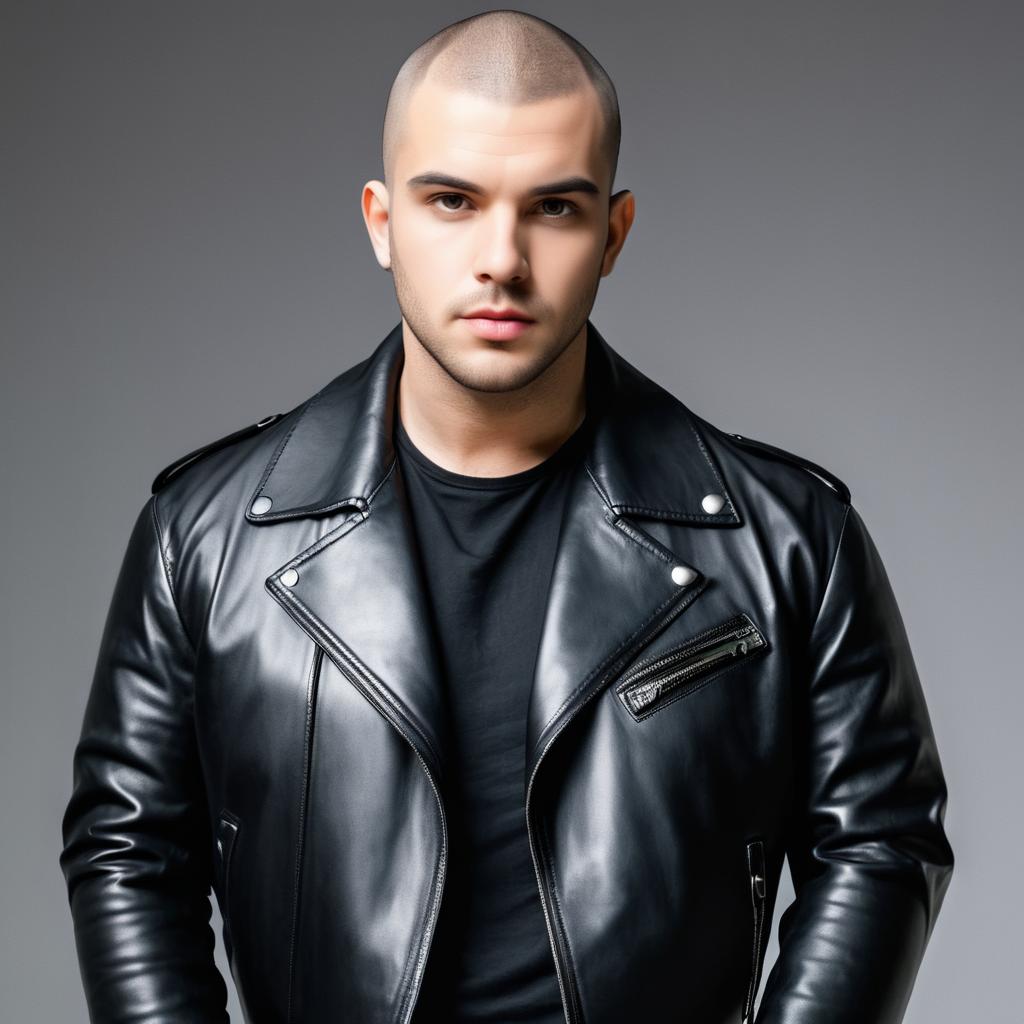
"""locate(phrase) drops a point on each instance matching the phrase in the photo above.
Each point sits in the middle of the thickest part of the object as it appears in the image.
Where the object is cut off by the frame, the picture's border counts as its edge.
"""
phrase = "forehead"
(444, 124)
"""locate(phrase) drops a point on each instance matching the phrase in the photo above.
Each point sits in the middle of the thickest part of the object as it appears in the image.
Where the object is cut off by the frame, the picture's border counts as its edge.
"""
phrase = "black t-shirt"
(487, 546)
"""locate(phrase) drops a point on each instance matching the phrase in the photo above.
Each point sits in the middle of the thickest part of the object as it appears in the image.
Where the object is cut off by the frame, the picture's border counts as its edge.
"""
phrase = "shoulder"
(795, 508)
(198, 499)
(772, 464)
(771, 451)
(189, 459)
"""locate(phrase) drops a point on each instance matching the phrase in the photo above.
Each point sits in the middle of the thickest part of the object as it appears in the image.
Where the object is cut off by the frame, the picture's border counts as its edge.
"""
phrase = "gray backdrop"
(827, 254)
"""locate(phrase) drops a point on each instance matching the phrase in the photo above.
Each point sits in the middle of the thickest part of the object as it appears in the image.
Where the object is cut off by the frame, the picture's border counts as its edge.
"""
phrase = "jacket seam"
(312, 686)
(831, 572)
(168, 575)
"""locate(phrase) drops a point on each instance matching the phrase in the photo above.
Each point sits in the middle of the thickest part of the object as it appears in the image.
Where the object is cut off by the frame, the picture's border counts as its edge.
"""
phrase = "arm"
(868, 854)
(136, 855)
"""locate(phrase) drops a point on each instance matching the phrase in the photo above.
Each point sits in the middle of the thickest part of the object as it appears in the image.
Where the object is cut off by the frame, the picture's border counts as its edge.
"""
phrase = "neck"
(490, 433)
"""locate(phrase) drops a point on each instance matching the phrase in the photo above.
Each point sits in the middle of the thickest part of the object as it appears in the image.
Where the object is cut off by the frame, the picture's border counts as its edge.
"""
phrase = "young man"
(491, 683)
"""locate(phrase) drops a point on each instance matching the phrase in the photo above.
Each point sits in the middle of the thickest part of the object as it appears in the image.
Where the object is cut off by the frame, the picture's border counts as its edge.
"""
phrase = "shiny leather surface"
(286, 744)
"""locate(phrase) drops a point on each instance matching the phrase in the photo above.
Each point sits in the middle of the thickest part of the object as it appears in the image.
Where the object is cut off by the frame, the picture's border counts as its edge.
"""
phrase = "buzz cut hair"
(507, 56)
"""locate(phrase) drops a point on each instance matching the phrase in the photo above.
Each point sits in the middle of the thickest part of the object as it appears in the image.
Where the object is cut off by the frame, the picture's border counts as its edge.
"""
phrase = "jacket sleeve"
(869, 857)
(136, 856)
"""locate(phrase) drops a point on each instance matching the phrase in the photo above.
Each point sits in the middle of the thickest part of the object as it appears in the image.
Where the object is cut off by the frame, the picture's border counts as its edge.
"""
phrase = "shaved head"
(508, 57)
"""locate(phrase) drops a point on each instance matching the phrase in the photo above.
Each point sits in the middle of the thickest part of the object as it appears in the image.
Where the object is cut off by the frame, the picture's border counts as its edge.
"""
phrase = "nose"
(500, 253)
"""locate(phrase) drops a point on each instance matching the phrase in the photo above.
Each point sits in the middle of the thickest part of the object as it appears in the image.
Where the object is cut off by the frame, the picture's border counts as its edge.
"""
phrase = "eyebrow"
(573, 184)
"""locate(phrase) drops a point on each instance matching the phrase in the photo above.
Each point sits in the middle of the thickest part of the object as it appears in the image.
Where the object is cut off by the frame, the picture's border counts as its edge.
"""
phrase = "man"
(491, 682)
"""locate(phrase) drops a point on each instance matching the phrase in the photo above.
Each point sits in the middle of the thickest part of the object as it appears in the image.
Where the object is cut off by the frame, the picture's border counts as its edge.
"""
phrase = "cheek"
(567, 262)
(428, 255)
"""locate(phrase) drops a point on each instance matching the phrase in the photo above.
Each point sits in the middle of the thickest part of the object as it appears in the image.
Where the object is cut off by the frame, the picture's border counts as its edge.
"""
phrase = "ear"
(374, 204)
(621, 210)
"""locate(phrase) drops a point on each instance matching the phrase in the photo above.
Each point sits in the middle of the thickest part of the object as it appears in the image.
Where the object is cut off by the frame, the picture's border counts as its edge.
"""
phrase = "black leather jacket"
(723, 679)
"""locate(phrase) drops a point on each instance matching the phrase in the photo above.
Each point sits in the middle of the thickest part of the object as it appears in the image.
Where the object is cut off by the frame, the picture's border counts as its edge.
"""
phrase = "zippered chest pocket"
(688, 666)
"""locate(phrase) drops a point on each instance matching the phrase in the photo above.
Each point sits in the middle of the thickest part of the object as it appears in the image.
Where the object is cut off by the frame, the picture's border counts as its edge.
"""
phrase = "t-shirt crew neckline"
(569, 448)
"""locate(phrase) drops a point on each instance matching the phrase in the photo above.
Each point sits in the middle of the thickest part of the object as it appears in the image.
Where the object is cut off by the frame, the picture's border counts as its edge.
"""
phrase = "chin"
(502, 371)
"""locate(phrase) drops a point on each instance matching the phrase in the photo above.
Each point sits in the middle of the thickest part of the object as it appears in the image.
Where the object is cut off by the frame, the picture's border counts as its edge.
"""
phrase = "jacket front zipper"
(727, 642)
(758, 890)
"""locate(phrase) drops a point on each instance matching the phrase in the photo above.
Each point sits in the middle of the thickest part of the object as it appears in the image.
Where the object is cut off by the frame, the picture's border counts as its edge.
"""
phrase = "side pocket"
(758, 891)
(227, 836)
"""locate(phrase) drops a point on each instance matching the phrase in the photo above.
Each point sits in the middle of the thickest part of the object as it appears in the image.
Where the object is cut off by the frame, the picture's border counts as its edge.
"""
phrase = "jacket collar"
(645, 453)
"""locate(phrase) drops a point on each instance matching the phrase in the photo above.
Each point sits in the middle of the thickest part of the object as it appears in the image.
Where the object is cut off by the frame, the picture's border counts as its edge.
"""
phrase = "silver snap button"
(712, 503)
(683, 574)
(261, 505)
(289, 577)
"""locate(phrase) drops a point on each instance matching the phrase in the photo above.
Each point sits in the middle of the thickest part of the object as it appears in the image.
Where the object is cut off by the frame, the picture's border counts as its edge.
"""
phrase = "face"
(471, 221)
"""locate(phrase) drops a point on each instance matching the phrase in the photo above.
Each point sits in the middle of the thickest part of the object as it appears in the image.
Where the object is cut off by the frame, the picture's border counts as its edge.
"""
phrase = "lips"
(497, 328)
(497, 314)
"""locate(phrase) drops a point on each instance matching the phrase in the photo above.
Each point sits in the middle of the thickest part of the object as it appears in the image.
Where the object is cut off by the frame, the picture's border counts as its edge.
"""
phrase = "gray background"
(827, 254)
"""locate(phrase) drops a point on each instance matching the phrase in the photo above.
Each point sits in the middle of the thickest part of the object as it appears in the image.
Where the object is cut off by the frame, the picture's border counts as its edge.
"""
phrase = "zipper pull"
(755, 862)
(644, 695)
(758, 891)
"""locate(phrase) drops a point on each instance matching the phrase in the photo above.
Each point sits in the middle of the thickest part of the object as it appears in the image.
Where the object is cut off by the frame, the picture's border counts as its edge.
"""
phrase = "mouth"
(495, 326)
(489, 313)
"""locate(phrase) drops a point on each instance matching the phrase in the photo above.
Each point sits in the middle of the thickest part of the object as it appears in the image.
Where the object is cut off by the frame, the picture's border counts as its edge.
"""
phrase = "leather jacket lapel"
(361, 596)
(612, 589)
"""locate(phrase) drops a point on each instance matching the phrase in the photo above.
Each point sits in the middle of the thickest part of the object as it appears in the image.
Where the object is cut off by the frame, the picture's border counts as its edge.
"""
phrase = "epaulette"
(168, 472)
(797, 460)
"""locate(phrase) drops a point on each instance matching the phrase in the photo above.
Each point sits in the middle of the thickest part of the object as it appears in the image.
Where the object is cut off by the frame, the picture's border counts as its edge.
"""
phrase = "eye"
(447, 195)
(570, 207)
